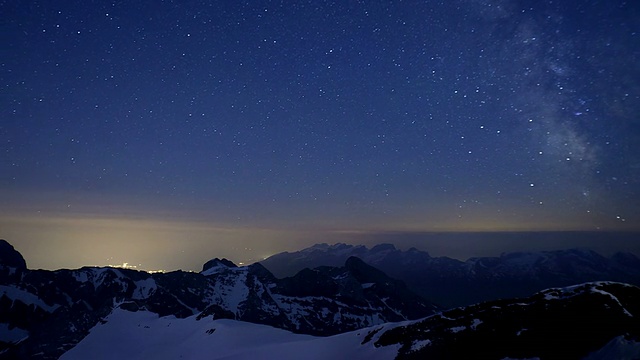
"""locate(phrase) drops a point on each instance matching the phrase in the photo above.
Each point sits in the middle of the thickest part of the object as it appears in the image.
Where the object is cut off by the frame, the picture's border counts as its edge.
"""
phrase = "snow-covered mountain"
(450, 283)
(230, 312)
(45, 313)
(595, 321)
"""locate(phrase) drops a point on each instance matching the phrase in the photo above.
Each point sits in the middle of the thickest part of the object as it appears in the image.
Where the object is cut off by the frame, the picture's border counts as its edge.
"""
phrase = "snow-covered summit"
(216, 265)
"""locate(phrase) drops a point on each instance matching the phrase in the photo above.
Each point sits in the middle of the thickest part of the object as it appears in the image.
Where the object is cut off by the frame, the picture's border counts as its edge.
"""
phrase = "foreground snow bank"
(144, 335)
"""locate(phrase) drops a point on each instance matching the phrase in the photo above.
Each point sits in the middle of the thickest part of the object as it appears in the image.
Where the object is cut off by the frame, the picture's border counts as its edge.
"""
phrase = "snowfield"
(144, 335)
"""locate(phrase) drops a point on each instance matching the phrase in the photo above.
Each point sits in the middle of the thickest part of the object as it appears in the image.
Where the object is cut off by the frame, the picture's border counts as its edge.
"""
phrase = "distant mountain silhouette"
(450, 283)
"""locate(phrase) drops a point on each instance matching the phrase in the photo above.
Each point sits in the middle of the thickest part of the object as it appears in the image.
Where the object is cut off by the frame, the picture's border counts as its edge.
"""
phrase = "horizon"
(461, 246)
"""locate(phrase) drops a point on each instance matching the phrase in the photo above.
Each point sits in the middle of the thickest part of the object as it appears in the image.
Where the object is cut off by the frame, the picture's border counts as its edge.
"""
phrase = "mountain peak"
(383, 247)
(11, 257)
(217, 263)
(318, 246)
(364, 272)
(324, 247)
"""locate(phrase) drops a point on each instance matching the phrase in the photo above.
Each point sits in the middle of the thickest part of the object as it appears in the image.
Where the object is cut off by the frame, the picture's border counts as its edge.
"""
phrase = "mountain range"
(352, 310)
(451, 283)
(45, 313)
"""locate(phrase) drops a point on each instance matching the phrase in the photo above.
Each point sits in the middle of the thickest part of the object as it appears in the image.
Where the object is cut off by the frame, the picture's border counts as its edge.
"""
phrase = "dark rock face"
(10, 257)
(217, 262)
(452, 283)
(51, 311)
(561, 323)
(358, 286)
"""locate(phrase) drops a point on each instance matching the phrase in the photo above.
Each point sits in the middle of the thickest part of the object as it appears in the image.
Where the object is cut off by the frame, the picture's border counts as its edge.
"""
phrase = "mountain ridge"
(47, 312)
(451, 283)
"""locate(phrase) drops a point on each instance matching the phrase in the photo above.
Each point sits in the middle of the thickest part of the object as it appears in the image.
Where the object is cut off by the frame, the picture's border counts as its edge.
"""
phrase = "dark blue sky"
(316, 117)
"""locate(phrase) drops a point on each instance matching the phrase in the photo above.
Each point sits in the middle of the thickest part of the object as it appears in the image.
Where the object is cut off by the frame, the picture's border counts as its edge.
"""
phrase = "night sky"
(165, 133)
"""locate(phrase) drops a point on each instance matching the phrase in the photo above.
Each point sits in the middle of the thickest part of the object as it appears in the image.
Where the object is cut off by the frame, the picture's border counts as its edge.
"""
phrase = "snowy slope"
(144, 335)
(598, 321)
